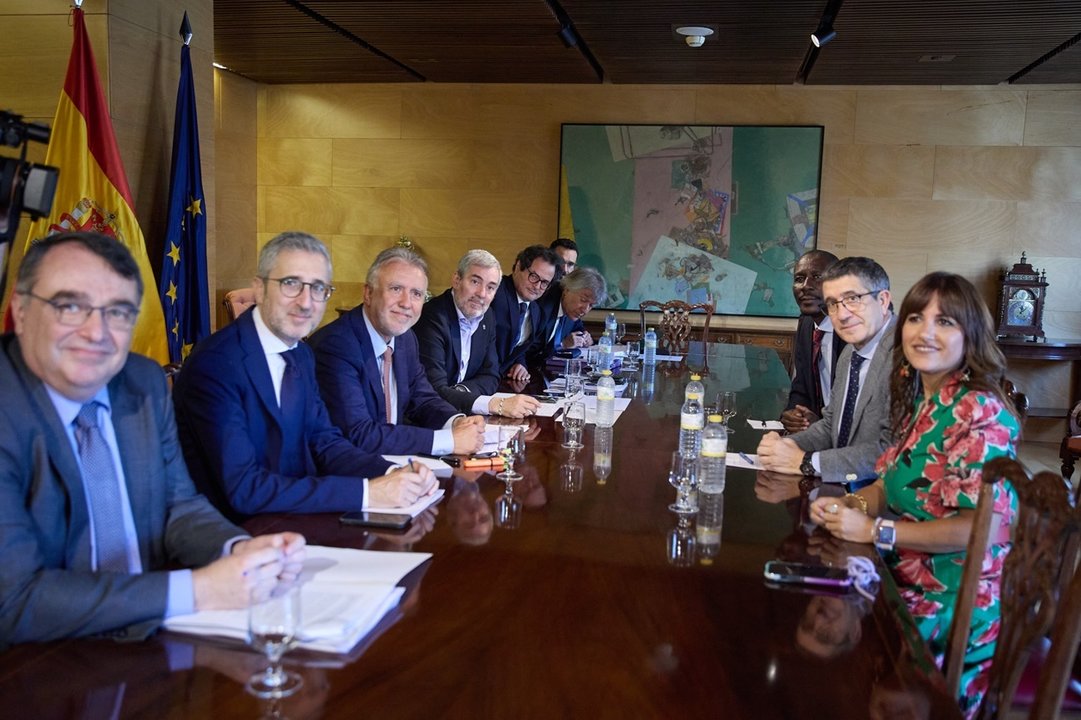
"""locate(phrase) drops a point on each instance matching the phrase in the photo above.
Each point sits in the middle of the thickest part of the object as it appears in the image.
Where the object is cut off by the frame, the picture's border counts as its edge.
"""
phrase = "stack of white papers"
(344, 595)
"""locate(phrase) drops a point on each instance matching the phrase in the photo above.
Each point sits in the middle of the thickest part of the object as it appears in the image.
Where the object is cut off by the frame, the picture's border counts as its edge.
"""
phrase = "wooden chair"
(1043, 555)
(674, 327)
(1018, 398)
(1070, 450)
(237, 301)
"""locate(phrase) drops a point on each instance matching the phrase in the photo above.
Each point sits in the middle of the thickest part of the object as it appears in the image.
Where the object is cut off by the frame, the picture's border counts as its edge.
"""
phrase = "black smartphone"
(386, 521)
(805, 574)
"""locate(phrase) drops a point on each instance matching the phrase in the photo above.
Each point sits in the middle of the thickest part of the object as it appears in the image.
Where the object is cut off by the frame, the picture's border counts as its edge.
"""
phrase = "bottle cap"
(715, 418)
(696, 377)
(606, 372)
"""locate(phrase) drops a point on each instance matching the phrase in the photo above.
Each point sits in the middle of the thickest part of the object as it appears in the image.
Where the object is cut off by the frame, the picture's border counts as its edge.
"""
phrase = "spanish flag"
(92, 193)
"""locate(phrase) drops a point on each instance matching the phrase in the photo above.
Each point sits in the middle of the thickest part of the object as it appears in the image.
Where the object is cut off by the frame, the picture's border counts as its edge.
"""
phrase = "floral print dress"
(934, 472)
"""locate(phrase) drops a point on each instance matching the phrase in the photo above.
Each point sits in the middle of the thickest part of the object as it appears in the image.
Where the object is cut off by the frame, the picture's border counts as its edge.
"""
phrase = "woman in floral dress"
(950, 416)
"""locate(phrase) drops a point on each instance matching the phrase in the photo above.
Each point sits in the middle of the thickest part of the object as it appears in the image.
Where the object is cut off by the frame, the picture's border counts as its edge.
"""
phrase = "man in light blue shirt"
(94, 496)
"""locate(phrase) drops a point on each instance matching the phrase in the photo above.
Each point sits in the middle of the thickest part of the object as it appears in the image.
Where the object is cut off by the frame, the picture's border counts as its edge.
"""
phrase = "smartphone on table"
(805, 574)
(379, 520)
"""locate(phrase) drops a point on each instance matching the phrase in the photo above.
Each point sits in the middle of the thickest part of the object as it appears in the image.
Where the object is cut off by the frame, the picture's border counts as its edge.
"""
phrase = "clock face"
(1019, 311)
(1022, 294)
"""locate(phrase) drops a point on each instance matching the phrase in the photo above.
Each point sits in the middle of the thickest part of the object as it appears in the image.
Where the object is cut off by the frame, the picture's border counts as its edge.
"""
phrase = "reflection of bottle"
(606, 400)
(602, 453)
(649, 355)
(710, 522)
(649, 373)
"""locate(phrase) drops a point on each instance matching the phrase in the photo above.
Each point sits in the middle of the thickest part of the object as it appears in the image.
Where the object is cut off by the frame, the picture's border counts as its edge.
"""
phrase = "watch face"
(1019, 312)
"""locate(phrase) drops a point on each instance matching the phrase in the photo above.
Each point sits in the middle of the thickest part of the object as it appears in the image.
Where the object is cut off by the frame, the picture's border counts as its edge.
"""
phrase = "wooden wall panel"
(330, 111)
(235, 202)
(900, 116)
(1008, 173)
(413, 163)
(295, 161)
(834, 108)
(889, 171)
(1053, 117)
(329, 211)
(1049, 229)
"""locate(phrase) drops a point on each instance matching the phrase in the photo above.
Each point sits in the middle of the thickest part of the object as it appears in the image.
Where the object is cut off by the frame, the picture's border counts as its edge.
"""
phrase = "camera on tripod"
(24, 186)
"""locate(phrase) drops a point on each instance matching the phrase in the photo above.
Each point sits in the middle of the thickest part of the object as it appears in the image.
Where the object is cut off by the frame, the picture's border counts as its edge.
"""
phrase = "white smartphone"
(805, 574)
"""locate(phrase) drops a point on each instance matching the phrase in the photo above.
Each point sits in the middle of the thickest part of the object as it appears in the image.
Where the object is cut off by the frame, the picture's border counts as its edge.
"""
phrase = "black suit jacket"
(508, 320)
(542, 345)
(806, 379)
(440, 343)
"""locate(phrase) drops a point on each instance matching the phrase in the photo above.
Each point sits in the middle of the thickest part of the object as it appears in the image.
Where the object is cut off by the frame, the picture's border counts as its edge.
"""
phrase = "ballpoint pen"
(558, 413)
(746, 458)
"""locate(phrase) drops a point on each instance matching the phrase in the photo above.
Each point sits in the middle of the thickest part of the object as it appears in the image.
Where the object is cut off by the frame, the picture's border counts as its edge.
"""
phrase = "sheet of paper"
(743, 460)
(437, 466)
(669, 358)
(345, 565)
(491, 435)
(765, 424)
(591, 408)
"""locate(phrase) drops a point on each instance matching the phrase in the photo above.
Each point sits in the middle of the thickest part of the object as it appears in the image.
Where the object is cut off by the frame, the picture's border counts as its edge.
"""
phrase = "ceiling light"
(823, 35)
(695, 35)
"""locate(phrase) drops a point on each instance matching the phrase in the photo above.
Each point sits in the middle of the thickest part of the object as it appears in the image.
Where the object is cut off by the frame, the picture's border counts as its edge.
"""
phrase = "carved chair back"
(674, 327)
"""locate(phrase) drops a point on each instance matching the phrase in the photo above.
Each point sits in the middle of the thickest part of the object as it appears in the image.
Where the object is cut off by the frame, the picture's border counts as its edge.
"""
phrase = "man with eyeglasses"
(255, 431)
(843, 446)
(516, 312)
(562, 310)
(95, 500)
(369, 370)
(816, 347)
(457, 335)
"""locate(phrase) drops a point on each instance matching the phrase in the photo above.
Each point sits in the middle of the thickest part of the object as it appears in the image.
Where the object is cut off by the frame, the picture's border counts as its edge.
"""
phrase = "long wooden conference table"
(576, 596)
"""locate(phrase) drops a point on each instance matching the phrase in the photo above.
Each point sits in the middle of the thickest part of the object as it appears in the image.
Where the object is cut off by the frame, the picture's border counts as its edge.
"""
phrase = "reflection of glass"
(726, 406)
(630, 362)
(602, 454)
(508, 511)
(511, 445)
(574, 420)
(272, 628)
(680, 543)
(683, 476)
(570, 474)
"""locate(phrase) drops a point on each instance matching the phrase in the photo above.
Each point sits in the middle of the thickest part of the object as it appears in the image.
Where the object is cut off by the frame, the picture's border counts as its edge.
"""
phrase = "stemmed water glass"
(574, 420)
(621, 332)
(572, 378)
(683, 476)
(726, 407)
(511, 445)
(272, 628)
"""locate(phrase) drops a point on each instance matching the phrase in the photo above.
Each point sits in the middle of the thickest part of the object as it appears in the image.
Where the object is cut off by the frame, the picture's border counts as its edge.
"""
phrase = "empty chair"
(237, 301)
(674, 328)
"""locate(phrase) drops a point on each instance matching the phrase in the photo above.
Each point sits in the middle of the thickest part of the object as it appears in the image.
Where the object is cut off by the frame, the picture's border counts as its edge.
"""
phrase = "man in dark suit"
(456, 333)
(567, 250)
(817, 347)
(516, 313)
(562, 310)
(843, 446)
(255, 432)
(94, 497)
(369, 371)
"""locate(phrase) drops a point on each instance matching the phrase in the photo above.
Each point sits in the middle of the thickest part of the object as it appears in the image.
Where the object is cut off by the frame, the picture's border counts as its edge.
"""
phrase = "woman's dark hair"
(984, 364)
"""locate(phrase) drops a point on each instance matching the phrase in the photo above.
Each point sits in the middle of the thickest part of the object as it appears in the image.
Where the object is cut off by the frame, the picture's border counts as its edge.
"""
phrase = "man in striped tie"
(843, 446)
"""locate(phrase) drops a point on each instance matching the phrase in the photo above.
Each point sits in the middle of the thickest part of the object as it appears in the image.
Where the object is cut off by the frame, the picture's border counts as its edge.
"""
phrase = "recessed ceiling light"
(695, 35)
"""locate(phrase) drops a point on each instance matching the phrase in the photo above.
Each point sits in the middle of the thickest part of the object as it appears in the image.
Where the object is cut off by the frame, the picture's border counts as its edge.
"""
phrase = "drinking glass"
(726, 406)
(573, 378)
(621, 332)
(272, 629)
(511, 446)
(683, 476)
(631, 360)
(574, 420)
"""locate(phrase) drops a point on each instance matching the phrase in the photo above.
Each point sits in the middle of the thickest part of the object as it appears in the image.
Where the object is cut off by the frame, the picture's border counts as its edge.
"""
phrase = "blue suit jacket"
(231, 430)
(349, 379)
(540, 346)
(440, 343)
(47, 590)
(508, 321)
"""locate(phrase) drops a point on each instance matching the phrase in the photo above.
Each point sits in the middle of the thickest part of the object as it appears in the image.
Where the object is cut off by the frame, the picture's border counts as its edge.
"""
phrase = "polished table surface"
(561, 600)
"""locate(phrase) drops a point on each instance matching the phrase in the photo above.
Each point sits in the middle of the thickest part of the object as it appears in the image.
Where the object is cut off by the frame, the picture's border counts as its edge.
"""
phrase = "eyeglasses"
(852, 303)
(291, 287)
(536, 279)
(120, 317)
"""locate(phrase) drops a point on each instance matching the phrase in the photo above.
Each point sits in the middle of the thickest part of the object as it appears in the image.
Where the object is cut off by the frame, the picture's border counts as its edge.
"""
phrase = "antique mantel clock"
(1021, 299)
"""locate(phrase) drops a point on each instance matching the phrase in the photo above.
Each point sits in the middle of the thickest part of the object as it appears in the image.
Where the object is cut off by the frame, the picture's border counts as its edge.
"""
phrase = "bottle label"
(714, 447)
(690, 421)
(604, 393)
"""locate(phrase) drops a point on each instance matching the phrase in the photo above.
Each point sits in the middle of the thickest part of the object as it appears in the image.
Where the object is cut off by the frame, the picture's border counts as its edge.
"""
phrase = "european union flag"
(183, 275)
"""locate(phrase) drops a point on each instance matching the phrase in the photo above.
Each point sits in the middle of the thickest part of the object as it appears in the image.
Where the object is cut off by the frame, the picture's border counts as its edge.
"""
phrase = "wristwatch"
(807, 467)
(885, 534)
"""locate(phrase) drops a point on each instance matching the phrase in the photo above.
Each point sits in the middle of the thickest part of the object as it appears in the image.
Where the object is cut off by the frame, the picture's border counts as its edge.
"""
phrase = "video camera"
(24, 186)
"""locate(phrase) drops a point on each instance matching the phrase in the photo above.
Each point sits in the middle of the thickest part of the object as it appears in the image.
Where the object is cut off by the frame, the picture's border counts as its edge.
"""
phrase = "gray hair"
(585, 278)
(291, 240)
(395, 254)
(480, 258)
(870, 273)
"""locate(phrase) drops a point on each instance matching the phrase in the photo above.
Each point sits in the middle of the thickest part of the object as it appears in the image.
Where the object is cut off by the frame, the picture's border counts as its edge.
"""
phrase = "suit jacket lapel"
(455, 342)
(371, 372)
(255, 365)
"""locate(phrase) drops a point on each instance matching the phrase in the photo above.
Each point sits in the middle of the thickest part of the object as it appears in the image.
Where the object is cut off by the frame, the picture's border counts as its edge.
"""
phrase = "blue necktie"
(561, 330)
(291, 407)
(850, 399)
(523, 315)
(99, 474)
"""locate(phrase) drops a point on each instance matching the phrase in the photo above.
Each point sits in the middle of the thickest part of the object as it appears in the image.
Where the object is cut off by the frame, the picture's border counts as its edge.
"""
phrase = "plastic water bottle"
(691, 421)
(610, 324)
(649, 354)
(604, 354)
(711, 472)
(606, 400)
(695, 388)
